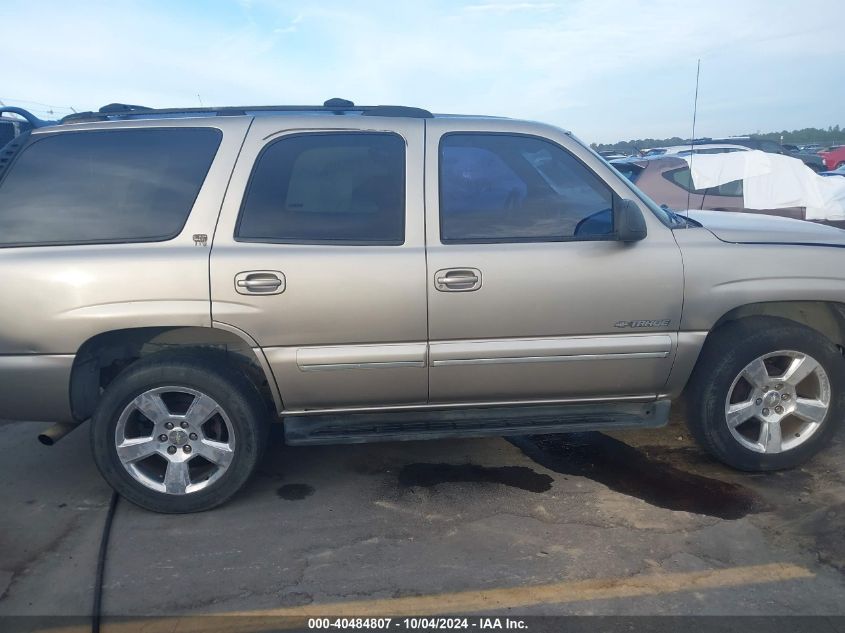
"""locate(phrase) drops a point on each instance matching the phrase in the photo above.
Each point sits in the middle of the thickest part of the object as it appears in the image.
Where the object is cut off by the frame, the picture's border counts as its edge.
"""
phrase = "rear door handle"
(457, 279)
(260, 282)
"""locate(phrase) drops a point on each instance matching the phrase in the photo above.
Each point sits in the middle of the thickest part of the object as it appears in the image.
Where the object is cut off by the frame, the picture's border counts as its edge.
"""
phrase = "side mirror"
(628, 221)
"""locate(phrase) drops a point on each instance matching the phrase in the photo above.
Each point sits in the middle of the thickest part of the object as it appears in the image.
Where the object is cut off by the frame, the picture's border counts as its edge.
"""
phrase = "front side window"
(105, 186)
(510, 188)
(343, 188)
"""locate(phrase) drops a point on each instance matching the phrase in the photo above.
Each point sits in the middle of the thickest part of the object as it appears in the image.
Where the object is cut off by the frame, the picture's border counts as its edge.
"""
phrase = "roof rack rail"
(333, 106)
(30, 118)
(116, 108)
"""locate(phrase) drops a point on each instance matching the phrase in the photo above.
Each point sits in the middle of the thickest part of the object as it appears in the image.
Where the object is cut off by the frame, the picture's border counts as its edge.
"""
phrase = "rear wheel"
(767, 393)
(179, 431)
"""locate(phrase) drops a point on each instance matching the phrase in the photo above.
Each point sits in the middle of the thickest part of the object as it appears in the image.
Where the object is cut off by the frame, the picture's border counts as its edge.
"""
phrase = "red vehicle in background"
(833, 157)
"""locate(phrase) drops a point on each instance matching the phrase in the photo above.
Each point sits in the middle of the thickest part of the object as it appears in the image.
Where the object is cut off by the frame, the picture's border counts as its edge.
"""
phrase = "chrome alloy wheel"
(778, 401)
(174, 440)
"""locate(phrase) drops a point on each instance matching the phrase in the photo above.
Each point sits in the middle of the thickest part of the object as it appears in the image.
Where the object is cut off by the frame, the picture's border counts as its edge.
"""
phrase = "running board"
(357, 428)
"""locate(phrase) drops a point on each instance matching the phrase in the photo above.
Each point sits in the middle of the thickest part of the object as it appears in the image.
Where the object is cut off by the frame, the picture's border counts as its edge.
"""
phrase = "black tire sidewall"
(237, 396)
(731, 350)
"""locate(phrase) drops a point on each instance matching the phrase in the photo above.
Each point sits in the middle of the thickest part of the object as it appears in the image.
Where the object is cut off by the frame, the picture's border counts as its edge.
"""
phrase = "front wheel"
(766, 394)
(179, 431)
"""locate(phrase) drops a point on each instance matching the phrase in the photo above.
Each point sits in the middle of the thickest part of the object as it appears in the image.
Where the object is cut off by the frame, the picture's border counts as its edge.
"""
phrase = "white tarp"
(772, 181)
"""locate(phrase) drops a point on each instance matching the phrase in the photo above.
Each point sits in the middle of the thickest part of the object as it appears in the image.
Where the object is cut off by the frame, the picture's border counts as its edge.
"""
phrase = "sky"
(607, 70)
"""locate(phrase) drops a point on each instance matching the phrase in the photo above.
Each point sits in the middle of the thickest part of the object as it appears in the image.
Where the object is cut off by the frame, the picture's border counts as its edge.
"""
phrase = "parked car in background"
(612, 154)
(763, 145)
(834, 157)
(839, 171)
(667, 181)
(708, 148)
(810, 159)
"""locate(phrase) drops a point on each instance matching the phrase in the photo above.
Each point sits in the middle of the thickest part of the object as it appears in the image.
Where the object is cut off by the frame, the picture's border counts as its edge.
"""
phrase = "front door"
(530, 298)
(319, 257)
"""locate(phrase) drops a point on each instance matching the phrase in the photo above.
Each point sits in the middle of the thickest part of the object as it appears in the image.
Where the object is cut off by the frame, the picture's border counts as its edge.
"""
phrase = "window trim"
(34, 139)
(615, 199)
(333, 242)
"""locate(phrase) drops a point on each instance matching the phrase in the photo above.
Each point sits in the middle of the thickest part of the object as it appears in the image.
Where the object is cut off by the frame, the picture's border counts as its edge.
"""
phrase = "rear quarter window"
(104, 186)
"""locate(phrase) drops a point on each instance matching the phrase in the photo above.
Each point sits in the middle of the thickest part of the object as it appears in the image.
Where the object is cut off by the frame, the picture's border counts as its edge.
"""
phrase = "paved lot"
(639, 523)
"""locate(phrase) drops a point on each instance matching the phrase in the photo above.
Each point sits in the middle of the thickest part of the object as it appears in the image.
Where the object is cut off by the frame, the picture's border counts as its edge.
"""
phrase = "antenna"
(692, 138)
(199, 98)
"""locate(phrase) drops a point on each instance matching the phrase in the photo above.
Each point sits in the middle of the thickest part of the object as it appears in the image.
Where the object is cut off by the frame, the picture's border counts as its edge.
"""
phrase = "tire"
(219, 454)
(723, 386)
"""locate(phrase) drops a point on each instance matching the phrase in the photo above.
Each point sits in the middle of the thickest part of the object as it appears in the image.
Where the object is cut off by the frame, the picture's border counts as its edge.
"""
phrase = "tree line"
(833, 135)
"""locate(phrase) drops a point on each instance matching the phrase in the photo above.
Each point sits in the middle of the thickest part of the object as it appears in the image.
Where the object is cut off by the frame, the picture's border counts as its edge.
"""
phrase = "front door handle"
(260, 282)
(457, 279)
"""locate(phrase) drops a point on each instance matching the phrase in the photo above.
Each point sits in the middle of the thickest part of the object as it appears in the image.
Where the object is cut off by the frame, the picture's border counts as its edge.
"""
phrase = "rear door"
(319, 257)
(97, 233)
(530, 298)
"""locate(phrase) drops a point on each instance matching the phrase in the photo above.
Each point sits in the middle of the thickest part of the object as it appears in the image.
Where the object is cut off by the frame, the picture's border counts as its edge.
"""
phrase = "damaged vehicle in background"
(669, 181)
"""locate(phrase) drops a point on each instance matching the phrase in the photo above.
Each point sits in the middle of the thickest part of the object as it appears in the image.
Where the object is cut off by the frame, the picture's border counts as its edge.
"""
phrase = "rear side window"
(327, 188)
(510, 188)
(105, 186)
(683, 179)
(732, 189)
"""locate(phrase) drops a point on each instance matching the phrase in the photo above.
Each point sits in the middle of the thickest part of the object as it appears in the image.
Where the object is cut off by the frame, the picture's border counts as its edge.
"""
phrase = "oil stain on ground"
(429, 475)
(629, 471)
(295, 492)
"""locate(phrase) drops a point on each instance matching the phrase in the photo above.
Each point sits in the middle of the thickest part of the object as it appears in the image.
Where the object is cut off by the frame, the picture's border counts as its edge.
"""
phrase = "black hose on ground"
(101, 565)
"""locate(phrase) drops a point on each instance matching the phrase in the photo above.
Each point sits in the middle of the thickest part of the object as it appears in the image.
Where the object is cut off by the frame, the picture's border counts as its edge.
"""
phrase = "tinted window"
(105, 186)
(629, 170)
(732, 188)
(503, 188)
(328, 188)
(683, 179)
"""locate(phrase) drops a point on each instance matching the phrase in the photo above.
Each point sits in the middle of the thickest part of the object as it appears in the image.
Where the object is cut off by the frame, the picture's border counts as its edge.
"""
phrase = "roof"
(642, 161)
(334, 106)
(123, 111)
(698, 147)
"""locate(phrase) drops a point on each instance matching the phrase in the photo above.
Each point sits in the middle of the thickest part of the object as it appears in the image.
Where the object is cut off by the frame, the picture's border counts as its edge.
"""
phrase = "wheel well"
(826, 317)
(101, 358)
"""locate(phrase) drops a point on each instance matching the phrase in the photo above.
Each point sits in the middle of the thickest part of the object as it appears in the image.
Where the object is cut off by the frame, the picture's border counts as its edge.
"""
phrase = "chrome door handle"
(457, 279)
(453, 280)
(260, 282)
